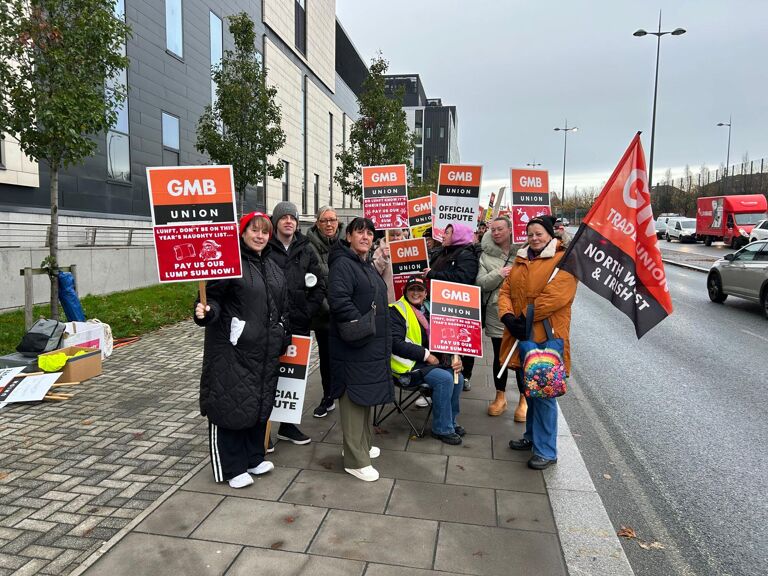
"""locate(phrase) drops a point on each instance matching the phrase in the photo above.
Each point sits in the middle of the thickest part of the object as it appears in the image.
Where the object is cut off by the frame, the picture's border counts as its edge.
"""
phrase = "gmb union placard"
(292, 381)
(458, 195)
(385, 196)
(455, 325)
(530, 198)
(419, 215)
(195, 231)
(407, 257)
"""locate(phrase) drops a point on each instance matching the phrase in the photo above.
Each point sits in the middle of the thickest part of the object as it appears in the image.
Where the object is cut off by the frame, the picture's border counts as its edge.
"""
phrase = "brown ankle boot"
(498, 406)
(521, 410)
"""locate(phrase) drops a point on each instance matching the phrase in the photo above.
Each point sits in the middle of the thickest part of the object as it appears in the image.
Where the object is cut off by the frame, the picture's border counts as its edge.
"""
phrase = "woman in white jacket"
(495, 263)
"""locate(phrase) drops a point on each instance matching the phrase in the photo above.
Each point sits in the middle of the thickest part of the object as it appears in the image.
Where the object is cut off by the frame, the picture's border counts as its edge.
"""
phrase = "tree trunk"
(53, 243)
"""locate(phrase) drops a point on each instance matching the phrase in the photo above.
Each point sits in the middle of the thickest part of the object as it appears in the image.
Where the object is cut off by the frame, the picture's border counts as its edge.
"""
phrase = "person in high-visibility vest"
(409, 320)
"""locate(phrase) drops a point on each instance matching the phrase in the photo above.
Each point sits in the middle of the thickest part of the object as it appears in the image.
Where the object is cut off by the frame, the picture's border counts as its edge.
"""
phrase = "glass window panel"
(118, 157)
(173, 27)
(120, 9)
(170, 131)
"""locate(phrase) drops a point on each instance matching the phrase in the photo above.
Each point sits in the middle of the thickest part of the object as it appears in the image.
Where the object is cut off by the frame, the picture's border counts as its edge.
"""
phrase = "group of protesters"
(338, 283)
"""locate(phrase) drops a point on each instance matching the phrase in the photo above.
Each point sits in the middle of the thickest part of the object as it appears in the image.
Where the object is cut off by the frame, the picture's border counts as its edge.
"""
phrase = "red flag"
(615, 251)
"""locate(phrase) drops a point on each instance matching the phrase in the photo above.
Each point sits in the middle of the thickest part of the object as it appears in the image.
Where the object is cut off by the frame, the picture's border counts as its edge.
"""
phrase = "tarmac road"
(674, 428)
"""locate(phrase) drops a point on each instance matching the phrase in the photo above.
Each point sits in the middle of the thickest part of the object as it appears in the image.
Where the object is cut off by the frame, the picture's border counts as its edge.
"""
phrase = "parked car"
(759, 232)
(682, 229)
(661, 223)
(743, 274)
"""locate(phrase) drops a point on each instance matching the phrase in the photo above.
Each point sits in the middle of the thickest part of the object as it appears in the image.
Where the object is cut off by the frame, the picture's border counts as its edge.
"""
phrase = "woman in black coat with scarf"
(360, 371)
(246, 331)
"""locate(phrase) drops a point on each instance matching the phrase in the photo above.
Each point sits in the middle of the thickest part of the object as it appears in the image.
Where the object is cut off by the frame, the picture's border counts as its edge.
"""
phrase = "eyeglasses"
(328, 220)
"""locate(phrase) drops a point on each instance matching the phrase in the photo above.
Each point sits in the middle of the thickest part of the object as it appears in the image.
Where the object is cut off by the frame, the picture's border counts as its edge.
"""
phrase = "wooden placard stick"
(456, 374)
(64, 384)
(25, 374)
(203, 298)
(267, 436)
(57, 397)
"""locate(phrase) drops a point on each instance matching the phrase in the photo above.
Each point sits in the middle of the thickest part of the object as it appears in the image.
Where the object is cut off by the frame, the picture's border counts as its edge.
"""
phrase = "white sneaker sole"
(367, 474)
(262, 468)
(240, 481)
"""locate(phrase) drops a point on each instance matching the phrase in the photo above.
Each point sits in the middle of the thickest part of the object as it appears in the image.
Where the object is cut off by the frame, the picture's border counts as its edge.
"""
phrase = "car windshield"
(748, 219)
(689, 223)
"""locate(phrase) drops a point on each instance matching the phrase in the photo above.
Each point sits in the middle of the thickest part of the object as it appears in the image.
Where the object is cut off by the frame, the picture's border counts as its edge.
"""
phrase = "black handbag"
(358, 331)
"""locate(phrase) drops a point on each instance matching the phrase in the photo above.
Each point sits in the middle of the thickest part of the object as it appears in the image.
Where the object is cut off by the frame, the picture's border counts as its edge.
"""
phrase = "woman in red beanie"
(246, 331)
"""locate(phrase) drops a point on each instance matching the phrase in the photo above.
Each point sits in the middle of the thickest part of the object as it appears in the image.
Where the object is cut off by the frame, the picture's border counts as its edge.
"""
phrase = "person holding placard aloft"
(457, 261)
(246, 331)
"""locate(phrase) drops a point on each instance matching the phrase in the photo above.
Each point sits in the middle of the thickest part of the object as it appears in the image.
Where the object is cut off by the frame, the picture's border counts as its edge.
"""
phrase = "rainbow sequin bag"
(542, 363)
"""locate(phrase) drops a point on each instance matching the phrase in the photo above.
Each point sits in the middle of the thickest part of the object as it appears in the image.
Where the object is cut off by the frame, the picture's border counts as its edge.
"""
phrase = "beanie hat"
(546, 221)
(246, 219)
(284, 209)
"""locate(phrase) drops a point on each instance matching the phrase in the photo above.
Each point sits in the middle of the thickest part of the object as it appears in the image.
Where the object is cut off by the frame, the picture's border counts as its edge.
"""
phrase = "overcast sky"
(515, 69)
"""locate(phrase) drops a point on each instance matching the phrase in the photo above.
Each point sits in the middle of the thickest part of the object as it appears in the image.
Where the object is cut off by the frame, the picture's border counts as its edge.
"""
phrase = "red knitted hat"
(246, 218)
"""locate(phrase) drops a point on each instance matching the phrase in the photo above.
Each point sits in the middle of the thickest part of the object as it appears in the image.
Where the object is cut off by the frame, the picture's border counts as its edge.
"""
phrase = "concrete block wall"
(99, 271)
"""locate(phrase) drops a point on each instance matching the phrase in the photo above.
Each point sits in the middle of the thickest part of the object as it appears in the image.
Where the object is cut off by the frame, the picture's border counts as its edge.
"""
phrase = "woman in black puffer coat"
(246, 331)
(360, 371)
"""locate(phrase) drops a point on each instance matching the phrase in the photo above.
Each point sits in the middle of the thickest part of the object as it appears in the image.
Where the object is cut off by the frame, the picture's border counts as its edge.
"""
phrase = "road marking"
(754, 335)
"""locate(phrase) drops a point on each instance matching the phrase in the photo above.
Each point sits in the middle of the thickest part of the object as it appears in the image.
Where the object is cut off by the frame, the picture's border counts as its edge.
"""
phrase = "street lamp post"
(728, 153)
(659, 34)
(565, 150)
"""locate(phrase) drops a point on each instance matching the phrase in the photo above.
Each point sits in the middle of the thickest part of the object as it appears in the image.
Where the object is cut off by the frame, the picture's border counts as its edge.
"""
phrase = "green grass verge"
(129, 313)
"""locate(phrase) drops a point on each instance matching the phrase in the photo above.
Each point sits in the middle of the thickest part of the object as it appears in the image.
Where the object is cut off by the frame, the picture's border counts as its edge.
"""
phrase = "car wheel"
(764, 302)
(707, 240)
(715, 288)
(734, 243)
(667, 238)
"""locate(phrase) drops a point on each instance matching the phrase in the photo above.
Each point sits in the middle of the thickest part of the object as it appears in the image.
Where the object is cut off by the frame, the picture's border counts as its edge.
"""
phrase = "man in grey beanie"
(292, 252)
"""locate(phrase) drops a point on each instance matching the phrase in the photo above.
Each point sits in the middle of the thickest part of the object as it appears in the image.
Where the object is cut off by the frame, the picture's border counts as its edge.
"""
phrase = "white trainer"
(241, 480)
(422, 402)
(367, 474)
(374, 452)
(263, 468)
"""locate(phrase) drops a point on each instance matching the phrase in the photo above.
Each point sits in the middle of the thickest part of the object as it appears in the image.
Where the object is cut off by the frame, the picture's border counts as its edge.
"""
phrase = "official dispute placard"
(458, 195)
(408, 257)
(292, 382)
(385, 196)
(455, 325)
(195, 231)
(530, 198)
(419, 215)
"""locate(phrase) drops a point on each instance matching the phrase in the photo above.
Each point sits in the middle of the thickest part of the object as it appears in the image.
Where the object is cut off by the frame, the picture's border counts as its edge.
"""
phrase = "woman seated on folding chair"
(410, 337)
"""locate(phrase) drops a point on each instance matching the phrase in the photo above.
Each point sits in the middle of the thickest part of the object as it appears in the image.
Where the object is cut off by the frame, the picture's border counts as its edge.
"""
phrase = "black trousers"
(468, 362)
(234, 451)
(500, 383)
(321, 334)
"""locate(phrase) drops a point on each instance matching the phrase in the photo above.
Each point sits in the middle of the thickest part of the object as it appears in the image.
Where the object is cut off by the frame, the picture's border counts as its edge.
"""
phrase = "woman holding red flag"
(531, 281)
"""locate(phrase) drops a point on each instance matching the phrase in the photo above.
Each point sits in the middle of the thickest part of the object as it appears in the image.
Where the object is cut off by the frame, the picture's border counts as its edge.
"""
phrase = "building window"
(217, 48)
(285, 180)
(316, 192)
(118, 140)
(170, 140)
(428, 132)
(174, 28)
(417, 161)
(2, 152)
(301, 26)
(442, 131)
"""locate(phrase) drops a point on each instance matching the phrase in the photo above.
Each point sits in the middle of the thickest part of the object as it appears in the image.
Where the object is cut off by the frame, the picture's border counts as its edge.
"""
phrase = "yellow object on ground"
(55, 362)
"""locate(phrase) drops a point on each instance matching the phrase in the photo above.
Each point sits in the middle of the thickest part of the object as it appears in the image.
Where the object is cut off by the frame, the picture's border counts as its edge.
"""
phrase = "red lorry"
(729, 218)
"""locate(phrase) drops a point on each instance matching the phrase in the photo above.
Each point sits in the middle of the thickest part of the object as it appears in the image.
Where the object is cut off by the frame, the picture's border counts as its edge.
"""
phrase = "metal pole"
(565, 149)
(653, 120)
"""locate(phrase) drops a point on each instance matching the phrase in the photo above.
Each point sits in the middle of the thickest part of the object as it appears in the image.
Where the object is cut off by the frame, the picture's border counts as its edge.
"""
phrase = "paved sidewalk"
(117, 481)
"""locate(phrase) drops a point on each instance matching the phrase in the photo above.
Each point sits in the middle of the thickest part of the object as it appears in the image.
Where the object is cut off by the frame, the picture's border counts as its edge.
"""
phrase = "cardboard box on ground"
(81, 367)
(87, 334)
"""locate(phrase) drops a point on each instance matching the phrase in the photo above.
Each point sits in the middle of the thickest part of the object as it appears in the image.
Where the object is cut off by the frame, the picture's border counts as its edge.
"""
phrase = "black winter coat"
(295, 262)
(322, 246)
(238, 382)
(456, 264)
(361, 369)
